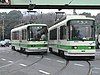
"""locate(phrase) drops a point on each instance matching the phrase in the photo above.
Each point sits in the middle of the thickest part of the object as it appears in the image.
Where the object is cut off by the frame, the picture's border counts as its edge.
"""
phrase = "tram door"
(62, 40)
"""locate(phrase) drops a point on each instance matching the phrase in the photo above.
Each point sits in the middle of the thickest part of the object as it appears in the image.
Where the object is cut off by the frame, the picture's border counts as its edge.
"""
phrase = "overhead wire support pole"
(31, 6)
(73, 9)
(3, 32)
(70, 2)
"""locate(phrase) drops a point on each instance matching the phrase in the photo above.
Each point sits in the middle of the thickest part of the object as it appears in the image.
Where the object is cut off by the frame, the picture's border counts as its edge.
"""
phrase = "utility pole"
(3, 27)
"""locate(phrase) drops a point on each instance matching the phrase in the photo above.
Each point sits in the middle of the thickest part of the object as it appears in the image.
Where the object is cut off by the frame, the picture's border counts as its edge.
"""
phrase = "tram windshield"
(37, 33)
(82, 30)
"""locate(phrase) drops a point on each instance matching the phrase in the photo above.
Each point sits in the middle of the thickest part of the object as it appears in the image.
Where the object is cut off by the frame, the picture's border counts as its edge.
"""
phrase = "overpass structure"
(50, 4)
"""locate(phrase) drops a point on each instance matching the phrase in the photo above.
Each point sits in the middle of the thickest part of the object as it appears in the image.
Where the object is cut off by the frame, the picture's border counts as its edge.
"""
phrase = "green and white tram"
(73, 37)
(30, 38)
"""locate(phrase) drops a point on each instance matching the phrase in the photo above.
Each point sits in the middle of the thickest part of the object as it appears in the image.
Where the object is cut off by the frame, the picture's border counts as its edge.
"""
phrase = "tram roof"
(70, 17)
(26, 25)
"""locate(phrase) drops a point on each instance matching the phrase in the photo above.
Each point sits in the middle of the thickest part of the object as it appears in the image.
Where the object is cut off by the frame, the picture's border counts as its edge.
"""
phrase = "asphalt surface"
(15, 63)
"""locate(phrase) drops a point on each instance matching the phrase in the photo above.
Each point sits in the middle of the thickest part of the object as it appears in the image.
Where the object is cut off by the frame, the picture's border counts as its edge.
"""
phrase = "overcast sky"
(68, 11)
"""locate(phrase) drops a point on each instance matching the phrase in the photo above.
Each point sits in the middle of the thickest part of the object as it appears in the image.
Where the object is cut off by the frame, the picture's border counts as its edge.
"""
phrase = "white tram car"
(30, 38)
(73, 37)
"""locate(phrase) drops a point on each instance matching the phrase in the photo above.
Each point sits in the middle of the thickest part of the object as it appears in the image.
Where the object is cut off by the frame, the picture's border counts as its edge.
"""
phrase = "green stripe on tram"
(73, 47)
(64, 47)
(30, 45)
(37, 45)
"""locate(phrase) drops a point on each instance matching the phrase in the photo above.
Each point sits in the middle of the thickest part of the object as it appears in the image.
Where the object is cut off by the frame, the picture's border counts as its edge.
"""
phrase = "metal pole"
(3, 29)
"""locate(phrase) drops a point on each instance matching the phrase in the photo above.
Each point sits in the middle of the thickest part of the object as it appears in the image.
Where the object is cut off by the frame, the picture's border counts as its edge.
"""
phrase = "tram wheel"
(61, 53)
(50, 49)
(13, 48)
(22, 49)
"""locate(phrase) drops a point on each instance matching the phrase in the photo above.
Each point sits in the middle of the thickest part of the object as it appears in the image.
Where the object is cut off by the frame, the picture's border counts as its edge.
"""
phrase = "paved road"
(15, 63)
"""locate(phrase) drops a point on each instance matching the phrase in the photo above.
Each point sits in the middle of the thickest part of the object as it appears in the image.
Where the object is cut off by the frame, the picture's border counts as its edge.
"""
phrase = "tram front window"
(37, 33)
(82, 30)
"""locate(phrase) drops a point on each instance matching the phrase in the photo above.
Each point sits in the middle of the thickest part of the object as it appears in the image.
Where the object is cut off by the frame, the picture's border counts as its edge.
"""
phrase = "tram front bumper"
(78, 55)
(36, 50)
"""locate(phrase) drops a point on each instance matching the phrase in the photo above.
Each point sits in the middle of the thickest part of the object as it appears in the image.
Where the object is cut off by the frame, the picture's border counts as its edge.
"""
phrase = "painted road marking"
(23, 65)
(6, 65)
(79, 65)
(3, 59)
(9, 64)
(60, 61)
(44, 72)
(10, 61)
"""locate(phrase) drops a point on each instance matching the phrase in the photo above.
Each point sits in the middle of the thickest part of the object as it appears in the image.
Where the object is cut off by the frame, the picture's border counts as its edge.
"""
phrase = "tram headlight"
(75, 47)
(89, 47)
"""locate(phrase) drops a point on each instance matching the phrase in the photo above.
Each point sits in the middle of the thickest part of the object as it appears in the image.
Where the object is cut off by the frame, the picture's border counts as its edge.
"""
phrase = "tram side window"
(24, 34)
(15, 35)
(53, 34)
(63, 32)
